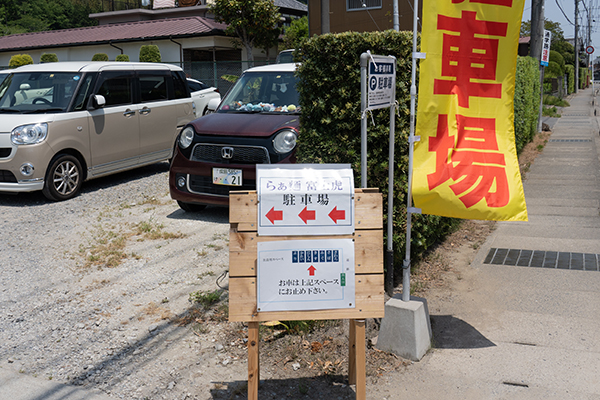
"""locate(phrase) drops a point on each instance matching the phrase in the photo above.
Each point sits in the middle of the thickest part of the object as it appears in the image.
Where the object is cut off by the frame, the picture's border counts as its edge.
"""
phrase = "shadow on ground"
(454, 333)
(324, 387)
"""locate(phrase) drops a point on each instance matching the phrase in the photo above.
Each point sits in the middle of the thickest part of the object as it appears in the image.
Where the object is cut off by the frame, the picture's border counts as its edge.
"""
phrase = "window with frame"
(356, 5)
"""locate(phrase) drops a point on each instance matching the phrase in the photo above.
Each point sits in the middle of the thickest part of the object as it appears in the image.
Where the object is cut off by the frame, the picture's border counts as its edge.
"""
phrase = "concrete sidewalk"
(508, 331)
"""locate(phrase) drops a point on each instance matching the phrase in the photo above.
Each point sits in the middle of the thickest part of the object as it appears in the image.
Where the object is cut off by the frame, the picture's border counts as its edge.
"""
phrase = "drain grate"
(571, 140)
(544, 259)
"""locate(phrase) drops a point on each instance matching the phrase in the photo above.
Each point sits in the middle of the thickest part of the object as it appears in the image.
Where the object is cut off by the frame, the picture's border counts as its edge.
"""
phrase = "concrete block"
(406, 329)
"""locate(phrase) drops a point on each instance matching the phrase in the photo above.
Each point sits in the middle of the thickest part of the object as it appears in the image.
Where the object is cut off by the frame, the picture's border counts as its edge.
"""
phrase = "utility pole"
(537, 29)
(324, 17)
(576, 47)
(535, 47)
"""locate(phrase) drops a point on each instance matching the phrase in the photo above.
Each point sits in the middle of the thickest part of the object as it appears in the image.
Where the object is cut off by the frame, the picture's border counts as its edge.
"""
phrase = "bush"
(329, 90)
(149, 53)
(570, 73)
(48, 58)
(583, 78)
(552, 70)
(527, 101)
(556, 57)
(20, 59)
(122, 57)
(100, 57)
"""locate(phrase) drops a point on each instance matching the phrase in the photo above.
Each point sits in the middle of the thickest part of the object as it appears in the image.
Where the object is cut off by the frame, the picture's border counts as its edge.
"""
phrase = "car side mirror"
(213, 104)
(96, 101)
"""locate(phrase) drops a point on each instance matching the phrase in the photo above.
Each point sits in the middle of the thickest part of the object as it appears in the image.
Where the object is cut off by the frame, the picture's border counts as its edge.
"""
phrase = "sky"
(552, 12)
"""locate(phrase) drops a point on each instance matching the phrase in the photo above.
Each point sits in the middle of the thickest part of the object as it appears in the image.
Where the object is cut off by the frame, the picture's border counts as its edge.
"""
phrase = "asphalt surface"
(524, 320)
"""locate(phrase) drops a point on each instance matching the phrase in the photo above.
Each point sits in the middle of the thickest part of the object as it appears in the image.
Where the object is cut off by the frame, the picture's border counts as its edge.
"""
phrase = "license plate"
(227, 176)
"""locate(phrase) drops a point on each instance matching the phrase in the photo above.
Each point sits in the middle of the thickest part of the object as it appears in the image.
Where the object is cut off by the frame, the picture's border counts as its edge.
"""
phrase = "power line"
(563, 12)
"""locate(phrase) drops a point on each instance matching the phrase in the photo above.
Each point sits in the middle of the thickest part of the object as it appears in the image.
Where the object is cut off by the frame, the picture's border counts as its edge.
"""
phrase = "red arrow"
(306, 215)
(274, 215)
(311, 270)
(336, 214)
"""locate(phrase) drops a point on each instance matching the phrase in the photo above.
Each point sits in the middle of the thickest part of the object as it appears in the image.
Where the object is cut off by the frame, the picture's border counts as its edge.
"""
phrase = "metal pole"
(364, 63)
(411, 142)
(396, 16)
(576, 48)
(389, 255)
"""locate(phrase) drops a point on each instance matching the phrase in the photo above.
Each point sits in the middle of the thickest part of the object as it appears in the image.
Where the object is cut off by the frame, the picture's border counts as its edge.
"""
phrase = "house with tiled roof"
(186, 36)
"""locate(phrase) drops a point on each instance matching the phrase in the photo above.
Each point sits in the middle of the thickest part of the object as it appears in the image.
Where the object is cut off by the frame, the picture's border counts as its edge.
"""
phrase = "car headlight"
(285, 141)
(186, 138)
(29, 134)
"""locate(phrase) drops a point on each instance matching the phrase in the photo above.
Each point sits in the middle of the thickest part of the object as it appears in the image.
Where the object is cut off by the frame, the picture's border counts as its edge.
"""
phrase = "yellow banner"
(465, 164)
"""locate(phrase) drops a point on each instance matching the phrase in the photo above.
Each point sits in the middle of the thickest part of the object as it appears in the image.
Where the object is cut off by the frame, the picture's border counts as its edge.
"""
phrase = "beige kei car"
(64, 123)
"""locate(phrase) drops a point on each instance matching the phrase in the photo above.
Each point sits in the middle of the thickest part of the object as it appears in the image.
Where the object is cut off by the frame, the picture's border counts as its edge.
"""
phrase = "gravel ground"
(93, 291)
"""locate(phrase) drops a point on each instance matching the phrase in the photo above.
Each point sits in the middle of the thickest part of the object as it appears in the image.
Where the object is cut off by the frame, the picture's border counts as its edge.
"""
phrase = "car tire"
(191, 207)
(64, 178)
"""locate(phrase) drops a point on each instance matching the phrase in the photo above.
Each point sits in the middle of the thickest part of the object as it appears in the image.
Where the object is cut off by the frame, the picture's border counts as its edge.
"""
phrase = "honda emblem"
(227, 152)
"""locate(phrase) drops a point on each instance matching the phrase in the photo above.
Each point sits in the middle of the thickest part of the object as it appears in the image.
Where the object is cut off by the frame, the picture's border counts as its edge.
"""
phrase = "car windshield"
(37, 92)
(263, 92)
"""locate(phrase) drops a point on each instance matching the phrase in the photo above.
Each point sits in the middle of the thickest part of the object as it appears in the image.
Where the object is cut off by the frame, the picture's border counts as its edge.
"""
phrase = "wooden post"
(357, 358)
(253, 361)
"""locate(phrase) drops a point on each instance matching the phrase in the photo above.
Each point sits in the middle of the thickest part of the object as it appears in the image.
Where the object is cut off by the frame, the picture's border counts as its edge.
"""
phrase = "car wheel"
(191, 207)
(63, 178)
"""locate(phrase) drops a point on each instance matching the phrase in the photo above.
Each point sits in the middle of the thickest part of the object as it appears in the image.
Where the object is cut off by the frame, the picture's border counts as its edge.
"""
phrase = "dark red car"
(256, 123)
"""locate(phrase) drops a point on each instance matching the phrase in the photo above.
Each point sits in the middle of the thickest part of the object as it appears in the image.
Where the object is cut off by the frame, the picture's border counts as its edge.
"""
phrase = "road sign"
(305, 199)
(296, 275)
(546, 48)
(381, 82)
(589, 49)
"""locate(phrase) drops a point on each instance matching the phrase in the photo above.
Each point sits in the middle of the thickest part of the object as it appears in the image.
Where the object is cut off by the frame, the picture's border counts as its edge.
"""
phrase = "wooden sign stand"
(369, 287)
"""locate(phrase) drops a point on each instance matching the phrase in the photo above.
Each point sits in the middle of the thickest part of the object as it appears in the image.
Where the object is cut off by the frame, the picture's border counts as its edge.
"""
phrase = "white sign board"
(381, 82)
(305, 199)
(296, 275)
(546, 48)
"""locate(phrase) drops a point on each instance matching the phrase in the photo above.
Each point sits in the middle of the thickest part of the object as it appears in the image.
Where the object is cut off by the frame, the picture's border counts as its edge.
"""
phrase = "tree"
(20, 59)
(557, 43)
(149, 53)
(48, 57)
(100, 57)
(295, 33)
(122, 58)
(255, 23)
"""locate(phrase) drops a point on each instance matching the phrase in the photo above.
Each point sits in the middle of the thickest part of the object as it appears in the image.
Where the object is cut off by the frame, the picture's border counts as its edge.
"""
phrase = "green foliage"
(583, 78)
(552, 70)
(526, 101)
(230, 78)
(294, 327)
(19, 16)
(205, 299)
(555, 101)
(255, 23)
(122, 57)
(570, 72)
(20, 59)
(48, 58)
(295, 34)
(100, 57)
(149, 53)
(556, 57)
(329, 90)
(550, 112)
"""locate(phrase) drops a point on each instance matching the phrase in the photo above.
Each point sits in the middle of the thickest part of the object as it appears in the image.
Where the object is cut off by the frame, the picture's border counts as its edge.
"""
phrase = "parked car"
(63, 123)
(201, 95)
(256, 123)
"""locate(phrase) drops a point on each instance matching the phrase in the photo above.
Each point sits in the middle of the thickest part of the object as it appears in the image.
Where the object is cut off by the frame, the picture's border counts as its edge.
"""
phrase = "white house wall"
(169, 51)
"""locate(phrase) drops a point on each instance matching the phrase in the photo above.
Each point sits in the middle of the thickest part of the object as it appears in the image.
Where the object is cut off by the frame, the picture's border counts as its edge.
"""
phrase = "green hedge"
(100, 57)
(48, 58)
(20, 59)
(330, 123)
(122, 58)
(570, 72)
(527, 100)
(149, 53)
(583, 78)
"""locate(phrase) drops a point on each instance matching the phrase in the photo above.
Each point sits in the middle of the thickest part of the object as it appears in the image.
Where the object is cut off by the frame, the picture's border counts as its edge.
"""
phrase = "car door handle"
(129, 113)
(145, 111)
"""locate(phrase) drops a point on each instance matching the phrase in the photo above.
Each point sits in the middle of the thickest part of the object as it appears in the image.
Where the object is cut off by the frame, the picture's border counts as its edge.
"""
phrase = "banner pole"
(411, 143)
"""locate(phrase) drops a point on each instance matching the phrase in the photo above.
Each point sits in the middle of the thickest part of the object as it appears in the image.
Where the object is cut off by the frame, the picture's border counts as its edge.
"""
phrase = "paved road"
(527, 332)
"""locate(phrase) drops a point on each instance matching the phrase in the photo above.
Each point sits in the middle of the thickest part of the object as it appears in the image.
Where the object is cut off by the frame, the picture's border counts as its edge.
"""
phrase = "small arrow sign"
(274, 215)
(307, 215)
(336, 214)
(311, 270)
